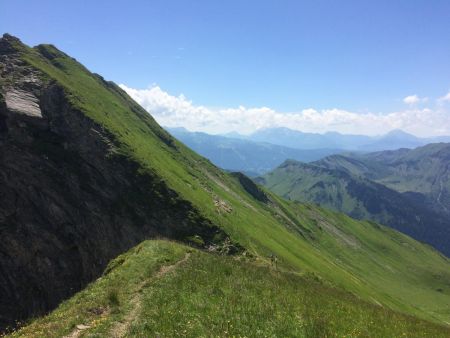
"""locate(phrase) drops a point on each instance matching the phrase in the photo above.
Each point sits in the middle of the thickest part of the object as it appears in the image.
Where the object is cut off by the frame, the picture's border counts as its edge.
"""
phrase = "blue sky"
(289, 56)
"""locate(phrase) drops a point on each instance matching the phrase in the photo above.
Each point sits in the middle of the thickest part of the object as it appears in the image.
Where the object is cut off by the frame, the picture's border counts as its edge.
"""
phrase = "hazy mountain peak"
(398, 133)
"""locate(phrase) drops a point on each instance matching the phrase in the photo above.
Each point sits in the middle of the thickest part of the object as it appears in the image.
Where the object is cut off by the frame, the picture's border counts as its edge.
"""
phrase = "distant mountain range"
(266, 149)
(408, 190)
(395, 139)
(250, 157)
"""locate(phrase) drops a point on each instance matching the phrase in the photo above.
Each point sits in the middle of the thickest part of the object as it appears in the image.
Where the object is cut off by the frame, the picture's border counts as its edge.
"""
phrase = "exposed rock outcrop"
(22, 102)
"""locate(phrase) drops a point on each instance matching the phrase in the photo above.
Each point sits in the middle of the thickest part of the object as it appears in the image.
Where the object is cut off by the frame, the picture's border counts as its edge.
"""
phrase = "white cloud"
(414, 99)
(445, 98)
(176, 111)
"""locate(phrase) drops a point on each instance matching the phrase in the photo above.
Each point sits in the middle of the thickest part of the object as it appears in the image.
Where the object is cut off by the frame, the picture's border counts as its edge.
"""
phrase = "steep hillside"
(167, 290)
(86, 173)
(73, 194)
(245, 155)
(358, 197)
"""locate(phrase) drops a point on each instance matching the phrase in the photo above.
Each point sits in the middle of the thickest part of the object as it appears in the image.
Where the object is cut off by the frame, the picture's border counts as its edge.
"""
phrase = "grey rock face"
(22, 102)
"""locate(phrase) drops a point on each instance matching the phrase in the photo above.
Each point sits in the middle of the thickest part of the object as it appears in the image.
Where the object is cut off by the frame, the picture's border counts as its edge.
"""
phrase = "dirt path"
(122, 327)
(77, 331)
(119, 329)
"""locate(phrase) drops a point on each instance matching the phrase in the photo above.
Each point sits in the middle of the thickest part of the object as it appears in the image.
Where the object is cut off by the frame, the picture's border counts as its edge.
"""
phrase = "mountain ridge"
(69, 179)
(423, 170)
(394, 139)
(169, 285)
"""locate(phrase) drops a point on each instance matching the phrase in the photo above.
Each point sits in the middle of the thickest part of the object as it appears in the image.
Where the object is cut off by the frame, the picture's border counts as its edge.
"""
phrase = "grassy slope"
(422, 169)
(338, 189)
(310, 183)
(220, 296)
(402, 274)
